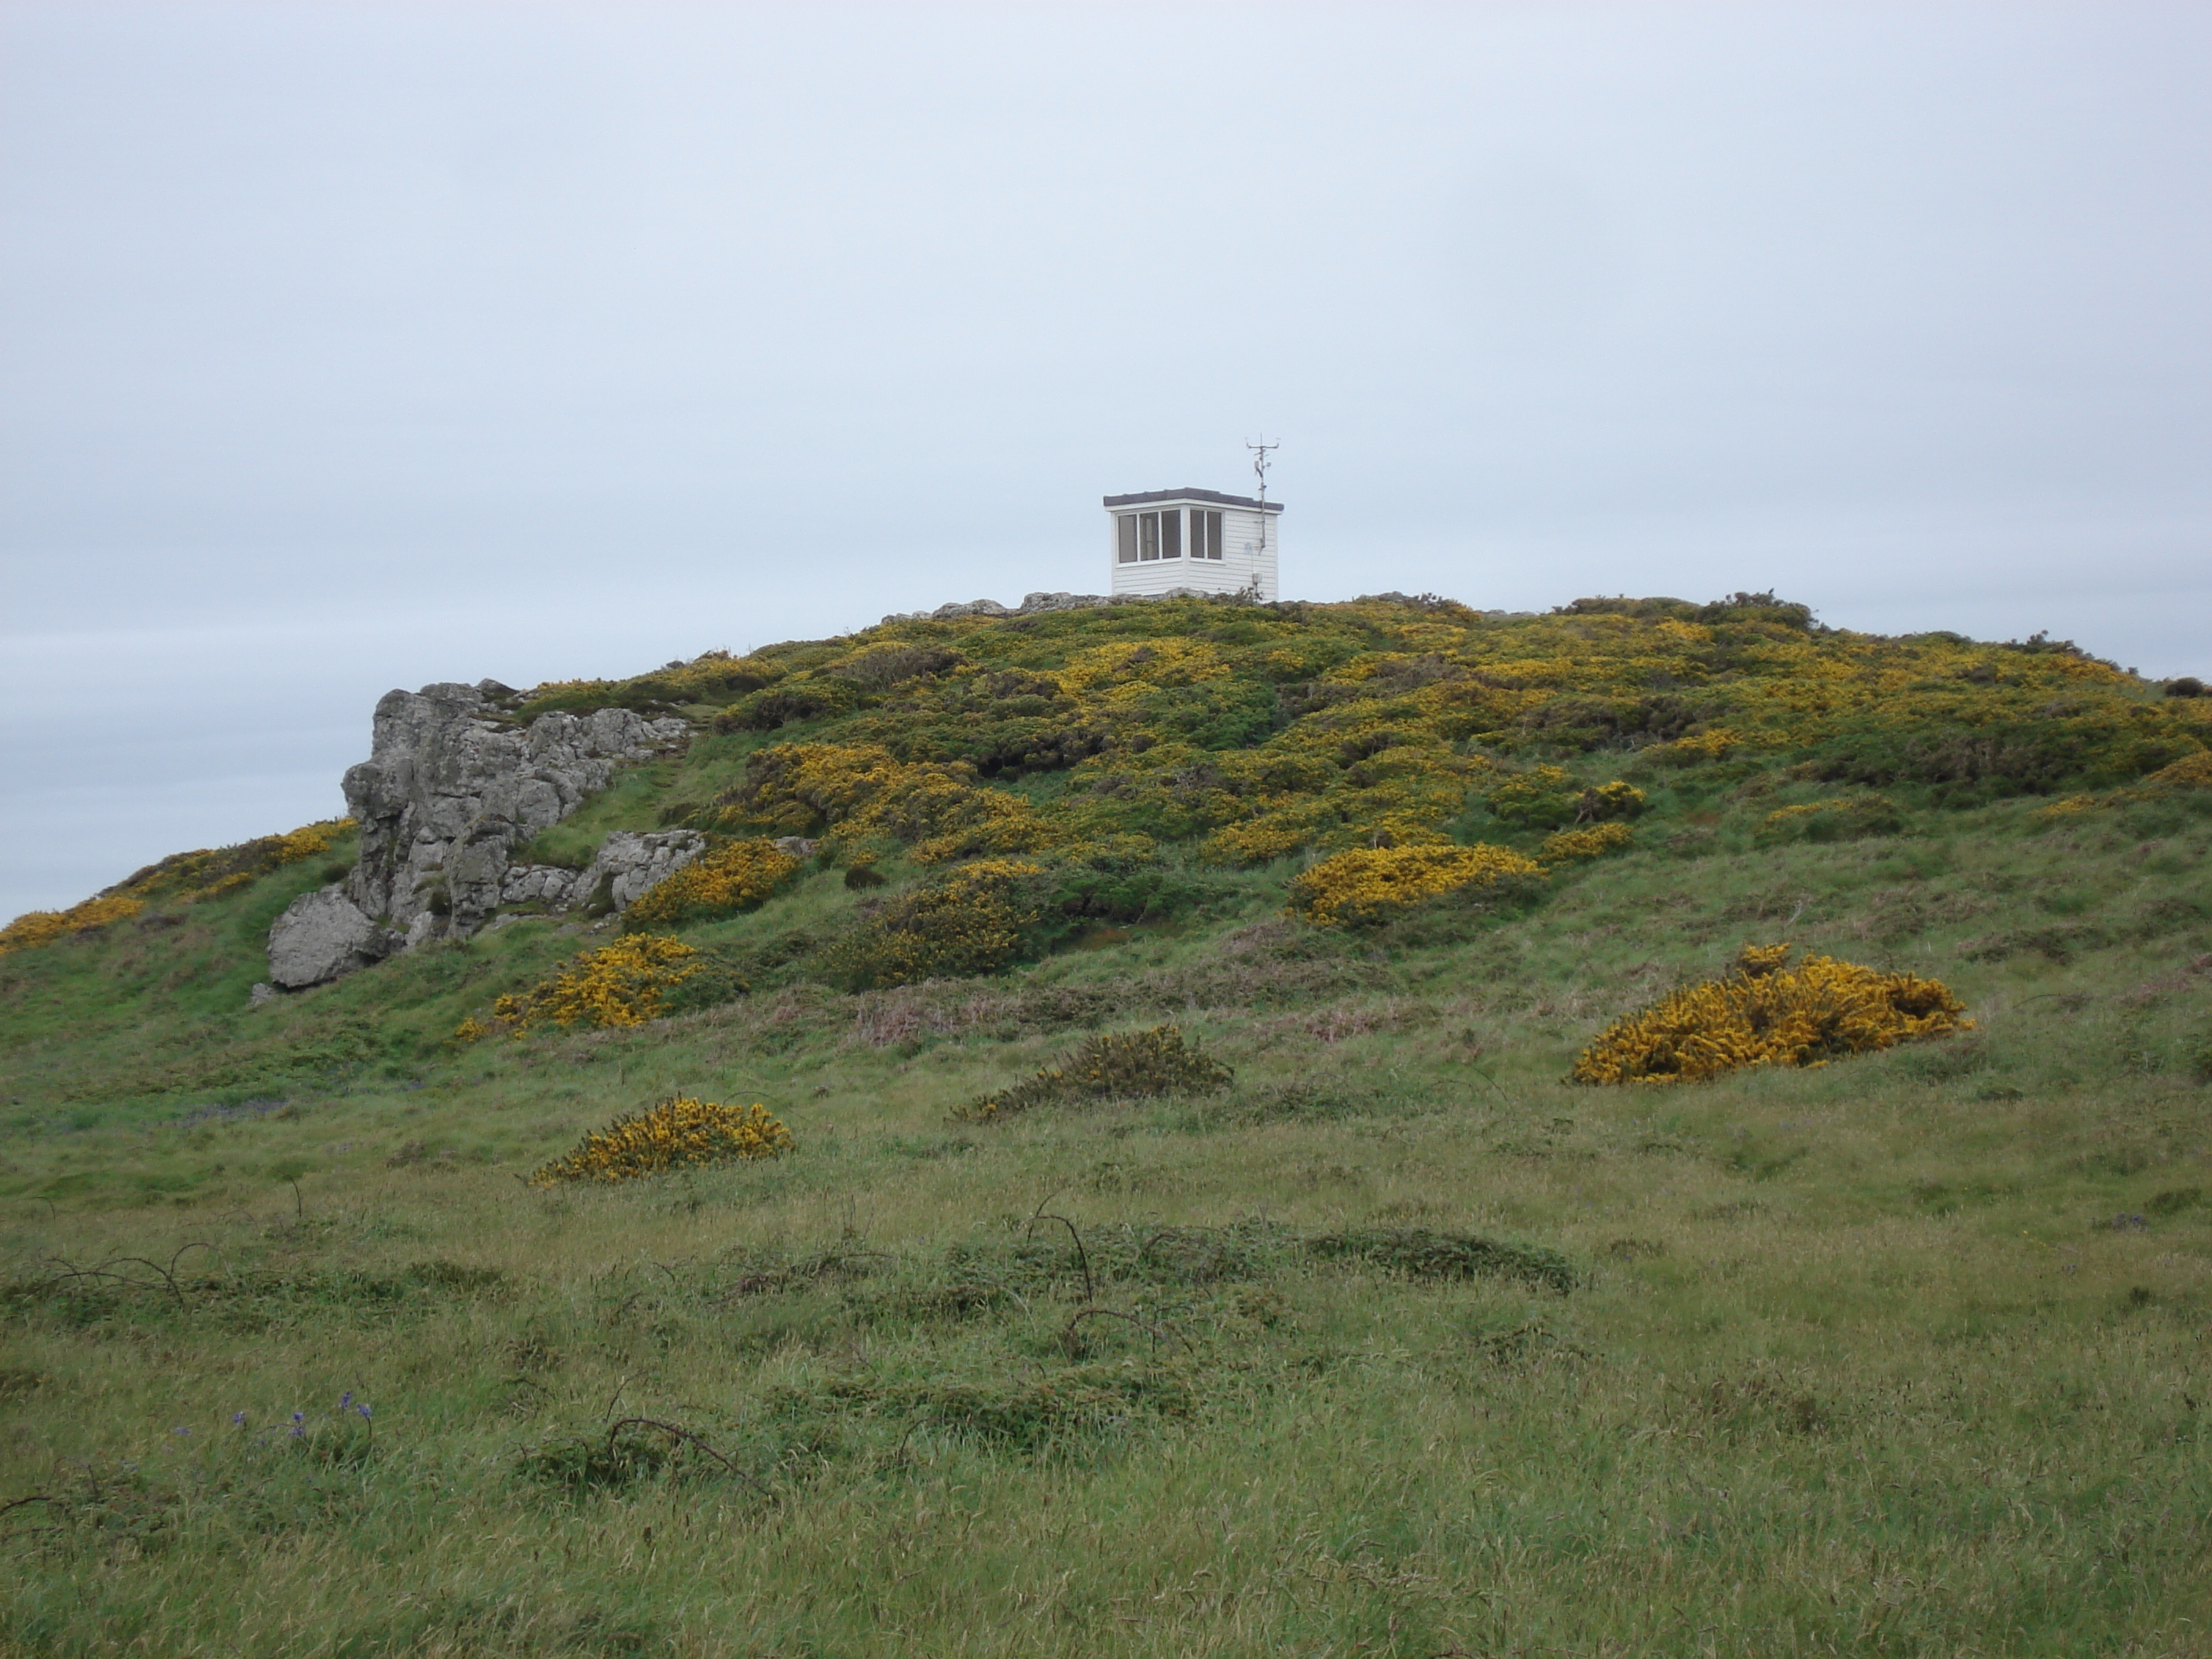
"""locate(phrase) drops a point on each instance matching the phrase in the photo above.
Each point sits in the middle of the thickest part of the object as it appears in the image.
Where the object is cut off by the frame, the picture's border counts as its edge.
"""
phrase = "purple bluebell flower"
(363, 1410)
(238, 1417)
(345, 1399)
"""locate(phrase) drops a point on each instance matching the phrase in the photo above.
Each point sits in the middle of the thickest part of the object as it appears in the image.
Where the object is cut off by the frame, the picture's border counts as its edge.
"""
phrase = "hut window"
(1148, 536)
(1125, 529)
(1205, 534)
(1171, 534)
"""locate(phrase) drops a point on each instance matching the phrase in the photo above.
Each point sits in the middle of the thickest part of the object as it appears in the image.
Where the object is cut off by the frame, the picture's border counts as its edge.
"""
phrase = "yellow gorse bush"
(2190, 772)
(1562, 845)
(210, 873)
(1764, 1012)
(1245, 734)
(731, 878)
(969, 920)
(619, 984)
(37, 928)
(679, 1133)
(1369, 884)
(859, 790)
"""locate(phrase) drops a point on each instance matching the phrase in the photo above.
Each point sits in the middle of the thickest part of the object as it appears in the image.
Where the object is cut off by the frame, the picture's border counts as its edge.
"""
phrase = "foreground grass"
(1905, 1355)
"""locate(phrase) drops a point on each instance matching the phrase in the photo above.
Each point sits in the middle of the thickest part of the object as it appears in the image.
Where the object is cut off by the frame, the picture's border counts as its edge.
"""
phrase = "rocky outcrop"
(1031, 605)
(320, 936)
(627, 864)
(549, 884)
(452, 785)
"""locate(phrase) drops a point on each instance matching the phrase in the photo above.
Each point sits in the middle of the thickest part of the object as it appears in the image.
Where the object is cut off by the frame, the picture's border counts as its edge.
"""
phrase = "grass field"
(1400, 1346)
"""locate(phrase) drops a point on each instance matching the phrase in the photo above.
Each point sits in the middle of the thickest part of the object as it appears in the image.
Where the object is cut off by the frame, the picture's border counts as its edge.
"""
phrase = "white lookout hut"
(1161, 539)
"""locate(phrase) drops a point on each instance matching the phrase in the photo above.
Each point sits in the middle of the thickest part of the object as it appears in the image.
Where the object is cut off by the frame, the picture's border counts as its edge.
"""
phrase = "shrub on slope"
(1764, 1014)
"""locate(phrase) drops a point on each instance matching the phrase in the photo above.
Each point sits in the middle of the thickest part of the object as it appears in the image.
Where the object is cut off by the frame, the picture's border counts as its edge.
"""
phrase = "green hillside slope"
(1391, 1340)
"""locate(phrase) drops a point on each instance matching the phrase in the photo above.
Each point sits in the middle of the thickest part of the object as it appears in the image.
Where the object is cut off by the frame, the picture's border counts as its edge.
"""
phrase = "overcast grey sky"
(349, 347)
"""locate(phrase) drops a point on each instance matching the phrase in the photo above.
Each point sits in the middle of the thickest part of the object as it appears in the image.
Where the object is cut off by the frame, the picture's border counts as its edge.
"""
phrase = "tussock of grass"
(1113, 1065)
(1418, 1253)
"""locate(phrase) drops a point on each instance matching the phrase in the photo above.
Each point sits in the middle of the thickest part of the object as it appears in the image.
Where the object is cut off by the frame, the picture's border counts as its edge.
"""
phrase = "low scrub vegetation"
(733, 876)
(1113, 1065)
(1167, 1224)
(679, 1133)
(625, 983)
(1766, 1012)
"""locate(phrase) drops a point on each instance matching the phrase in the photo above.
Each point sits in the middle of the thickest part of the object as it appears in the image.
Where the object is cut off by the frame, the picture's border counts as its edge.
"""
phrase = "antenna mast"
(1261, 451)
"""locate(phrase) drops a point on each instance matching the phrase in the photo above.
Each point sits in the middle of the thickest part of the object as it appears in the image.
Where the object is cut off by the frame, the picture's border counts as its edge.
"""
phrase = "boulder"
(320, 936)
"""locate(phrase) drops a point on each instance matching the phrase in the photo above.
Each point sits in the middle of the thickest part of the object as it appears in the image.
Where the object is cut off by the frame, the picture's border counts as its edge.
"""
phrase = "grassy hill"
(1398, 1344)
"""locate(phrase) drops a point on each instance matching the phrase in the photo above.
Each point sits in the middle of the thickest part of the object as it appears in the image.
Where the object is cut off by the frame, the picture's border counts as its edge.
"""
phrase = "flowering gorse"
(969, 920)
(1241, 735)
(679, 1133)
(1565, 845)
(1844, 818)
(1369, 884)
(2190, 772)
(1764, 1012)
(860, 790)
(38, 927)
(731, 878)
(190, 877)
(625, 983)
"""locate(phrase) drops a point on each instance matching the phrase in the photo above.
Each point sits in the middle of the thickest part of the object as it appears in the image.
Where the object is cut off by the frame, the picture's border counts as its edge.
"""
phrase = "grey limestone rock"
(548, 885)
(628, 864)
(1033, 603)
(320, 936)
(452, 785)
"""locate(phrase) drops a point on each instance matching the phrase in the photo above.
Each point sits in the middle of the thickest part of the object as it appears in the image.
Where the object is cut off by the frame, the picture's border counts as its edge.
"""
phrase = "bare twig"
(686, 1435)
(615, 1396)
(106, 1269)
(168, 1278)
(1082, 1255)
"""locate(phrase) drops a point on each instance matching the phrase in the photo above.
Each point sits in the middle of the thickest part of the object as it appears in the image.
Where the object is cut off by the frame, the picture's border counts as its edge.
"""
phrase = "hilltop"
(1365, 1331)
